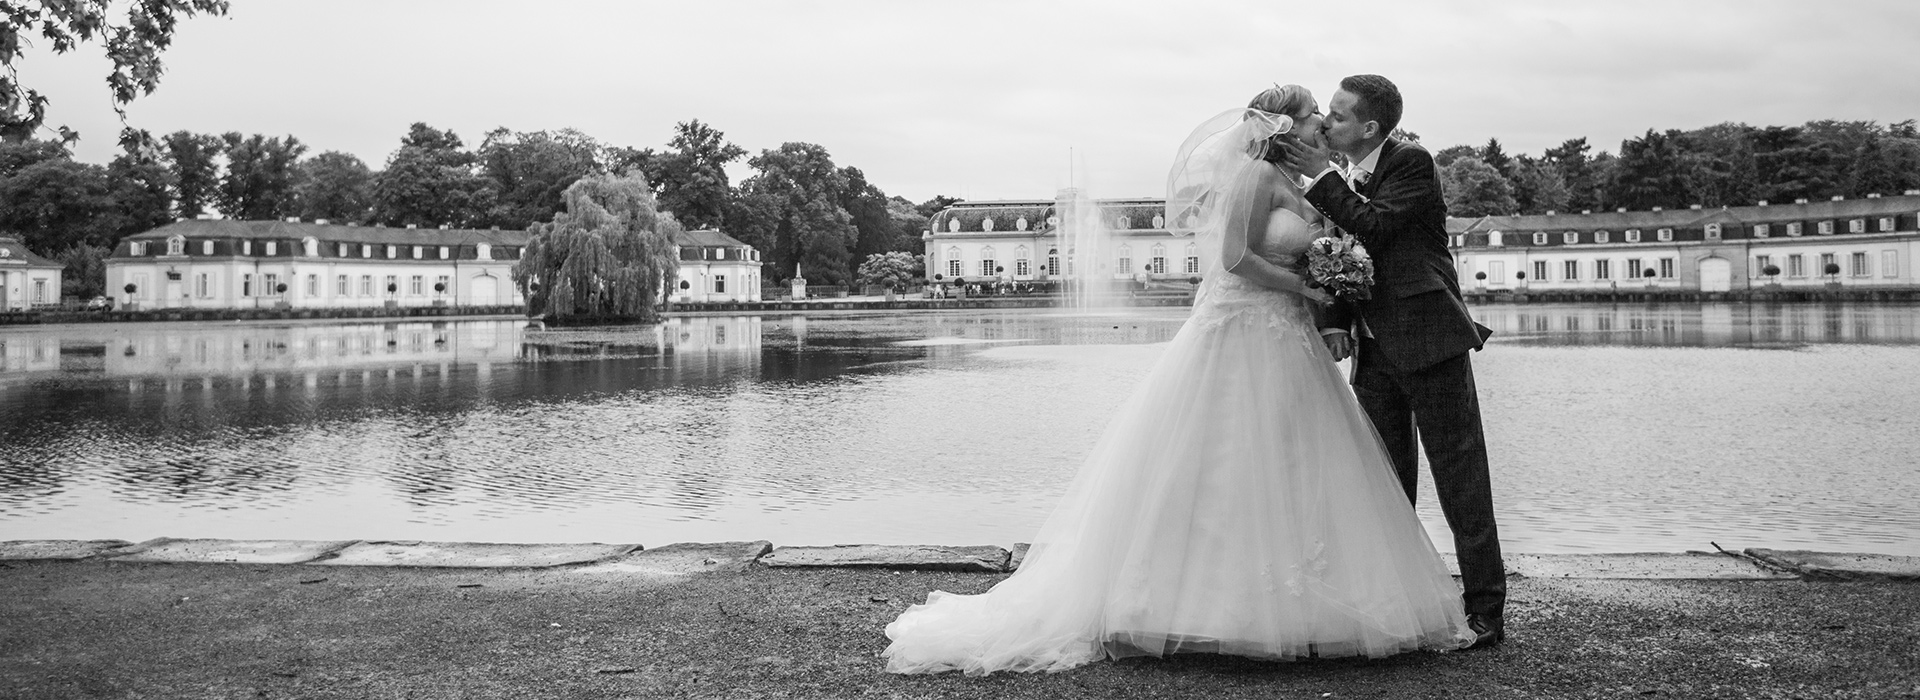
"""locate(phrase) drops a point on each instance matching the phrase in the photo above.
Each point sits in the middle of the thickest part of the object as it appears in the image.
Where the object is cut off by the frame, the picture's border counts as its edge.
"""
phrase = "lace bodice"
(1224, 295)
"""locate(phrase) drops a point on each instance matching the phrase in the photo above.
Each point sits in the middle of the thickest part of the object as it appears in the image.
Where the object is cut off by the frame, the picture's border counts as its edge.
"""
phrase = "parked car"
(100, 304)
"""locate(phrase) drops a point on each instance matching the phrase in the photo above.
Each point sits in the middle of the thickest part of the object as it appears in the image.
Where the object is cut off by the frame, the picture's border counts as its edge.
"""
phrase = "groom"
(1411, 374)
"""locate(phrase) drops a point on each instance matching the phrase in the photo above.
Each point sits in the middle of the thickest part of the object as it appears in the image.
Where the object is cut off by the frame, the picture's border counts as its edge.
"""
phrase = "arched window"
(1539, 238)
(987, 263)
(176, 245)
(1021, 263)
(1053, 261)
(311, 246)
(953, 261)
(1157, 263)
(1123, 260)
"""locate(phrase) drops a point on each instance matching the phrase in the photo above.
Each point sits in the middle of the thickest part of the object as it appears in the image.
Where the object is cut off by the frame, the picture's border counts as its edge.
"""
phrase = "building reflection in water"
(1703, 325)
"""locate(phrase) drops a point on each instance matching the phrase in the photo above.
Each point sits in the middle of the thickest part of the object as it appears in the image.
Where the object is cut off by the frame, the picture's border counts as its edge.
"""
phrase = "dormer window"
(1159, 221)
(417, 252)
(1886, 223)
(1570, 237)
(1857, 226)
(1633, 235)
(986, 224)
(312, 247)
(1665, 234)
(1123, 224)
(953, 225)
(1793, 229)
(1825, 228)
(270, 248)
(1601, 236)
(444, 253)
(136, 248)
(393, 252)
(366, 250)
(206, 247)
(1713, 232)
(1539, 238)
(176, 246)
(343, 250)
(1020, 224)
(1762, 230)
(246, 247)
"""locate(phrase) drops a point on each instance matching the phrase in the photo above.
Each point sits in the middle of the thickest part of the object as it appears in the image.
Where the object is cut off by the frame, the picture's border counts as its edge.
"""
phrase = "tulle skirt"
(1238, 503)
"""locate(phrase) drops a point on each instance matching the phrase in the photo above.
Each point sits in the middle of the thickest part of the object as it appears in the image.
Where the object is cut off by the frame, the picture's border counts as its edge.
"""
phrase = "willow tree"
(609, 256)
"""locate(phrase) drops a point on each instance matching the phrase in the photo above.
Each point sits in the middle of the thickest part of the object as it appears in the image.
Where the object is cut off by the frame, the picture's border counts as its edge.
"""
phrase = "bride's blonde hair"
(1279, 99)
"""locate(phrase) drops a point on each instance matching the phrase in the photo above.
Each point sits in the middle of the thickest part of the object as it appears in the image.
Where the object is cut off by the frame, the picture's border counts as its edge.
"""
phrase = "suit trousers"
(1439, 407)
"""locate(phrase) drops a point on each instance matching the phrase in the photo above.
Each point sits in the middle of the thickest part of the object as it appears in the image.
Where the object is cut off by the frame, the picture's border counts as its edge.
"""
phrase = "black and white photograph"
(1054, 349)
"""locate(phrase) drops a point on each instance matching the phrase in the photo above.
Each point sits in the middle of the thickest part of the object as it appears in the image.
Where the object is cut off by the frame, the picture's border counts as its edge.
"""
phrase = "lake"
(1611, 428)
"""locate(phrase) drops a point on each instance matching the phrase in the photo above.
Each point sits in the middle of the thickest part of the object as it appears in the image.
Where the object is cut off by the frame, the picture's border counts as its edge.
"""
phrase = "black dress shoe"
(1487, 631)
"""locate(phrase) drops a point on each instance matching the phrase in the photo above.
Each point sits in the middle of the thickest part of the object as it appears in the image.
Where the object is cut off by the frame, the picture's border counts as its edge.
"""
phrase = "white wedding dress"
(1238, 503)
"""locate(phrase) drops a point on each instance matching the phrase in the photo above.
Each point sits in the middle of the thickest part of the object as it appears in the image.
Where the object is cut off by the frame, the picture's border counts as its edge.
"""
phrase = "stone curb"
(984, 558)
(682, 558)
(692, 557)
(1842, 567)
(171, 550)
(30, 550)
(471, 554)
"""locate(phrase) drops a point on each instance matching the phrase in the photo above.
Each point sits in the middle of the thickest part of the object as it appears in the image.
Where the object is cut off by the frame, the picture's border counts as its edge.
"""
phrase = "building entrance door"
(173, 294)
(1716, 275)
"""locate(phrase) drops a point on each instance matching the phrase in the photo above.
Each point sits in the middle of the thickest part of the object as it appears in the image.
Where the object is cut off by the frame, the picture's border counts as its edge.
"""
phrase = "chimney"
(1623, 210)
(1655, 209)
(1873, 195)
(1801, 200)
(293, 219)
(413, 226)
(1839, 197)
(443, 227)
(1696, 206)
(1549, 212)
(1763, 202)
(1586, 211)
(321, 222)
(1911, 192)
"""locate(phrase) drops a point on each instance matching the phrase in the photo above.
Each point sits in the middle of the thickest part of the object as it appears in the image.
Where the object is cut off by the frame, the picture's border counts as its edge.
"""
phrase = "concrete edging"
(687, 558)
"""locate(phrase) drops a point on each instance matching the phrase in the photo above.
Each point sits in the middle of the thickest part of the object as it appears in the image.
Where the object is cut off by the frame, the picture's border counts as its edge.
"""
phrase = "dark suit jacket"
(1416, 315)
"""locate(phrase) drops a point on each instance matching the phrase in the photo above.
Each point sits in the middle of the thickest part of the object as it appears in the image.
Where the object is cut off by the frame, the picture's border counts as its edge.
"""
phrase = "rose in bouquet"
(1340, 265)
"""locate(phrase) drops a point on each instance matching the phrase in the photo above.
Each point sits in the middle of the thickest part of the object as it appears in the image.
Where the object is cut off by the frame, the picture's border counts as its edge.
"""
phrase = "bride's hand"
(1317, 295)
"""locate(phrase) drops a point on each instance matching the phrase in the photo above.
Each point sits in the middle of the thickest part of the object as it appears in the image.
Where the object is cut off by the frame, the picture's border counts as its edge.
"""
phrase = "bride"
(1239, 502)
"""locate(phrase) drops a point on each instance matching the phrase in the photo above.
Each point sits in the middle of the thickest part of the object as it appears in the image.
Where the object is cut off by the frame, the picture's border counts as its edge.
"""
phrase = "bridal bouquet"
(1340, 265)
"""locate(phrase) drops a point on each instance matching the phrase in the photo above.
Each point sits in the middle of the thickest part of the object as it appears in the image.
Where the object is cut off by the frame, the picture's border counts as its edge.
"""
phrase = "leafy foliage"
(792, 211)
(334, 186)
(429, 181)
(530, 171)
(1473, 188)
(134, 44)
(691, 178)
(609, 255)
(893, 270)
(261, 176)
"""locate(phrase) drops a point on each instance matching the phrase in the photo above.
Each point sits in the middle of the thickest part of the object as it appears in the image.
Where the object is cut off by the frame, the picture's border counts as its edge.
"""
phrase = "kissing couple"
(1244, 500)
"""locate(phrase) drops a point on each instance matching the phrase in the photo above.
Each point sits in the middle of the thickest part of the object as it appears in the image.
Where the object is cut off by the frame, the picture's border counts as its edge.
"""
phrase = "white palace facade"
(224, 264)
(26, 279)
(227, 264)
(1873, 241)
(1870, 241)
(1020, 240)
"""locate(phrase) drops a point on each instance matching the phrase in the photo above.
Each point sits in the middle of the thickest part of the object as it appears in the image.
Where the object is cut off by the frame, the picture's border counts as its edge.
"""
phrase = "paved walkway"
(220, 619)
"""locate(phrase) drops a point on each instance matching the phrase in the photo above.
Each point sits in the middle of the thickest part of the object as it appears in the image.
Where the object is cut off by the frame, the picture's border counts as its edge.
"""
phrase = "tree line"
(799, 207)
(1721, 165)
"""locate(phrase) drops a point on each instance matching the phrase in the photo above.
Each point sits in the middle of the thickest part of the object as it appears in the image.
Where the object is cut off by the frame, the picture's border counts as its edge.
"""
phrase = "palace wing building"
(224, 264)
(1869, 242)
(26, 280)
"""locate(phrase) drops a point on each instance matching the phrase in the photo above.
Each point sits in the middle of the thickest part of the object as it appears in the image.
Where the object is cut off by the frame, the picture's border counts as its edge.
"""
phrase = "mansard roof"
(15, 254)
(1138, 212)
(295, 230)
(707, 238)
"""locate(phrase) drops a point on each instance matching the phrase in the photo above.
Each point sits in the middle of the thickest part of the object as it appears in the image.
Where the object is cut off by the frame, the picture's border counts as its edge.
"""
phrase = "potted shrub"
(282, 302)
(130, 289)
(438, 289)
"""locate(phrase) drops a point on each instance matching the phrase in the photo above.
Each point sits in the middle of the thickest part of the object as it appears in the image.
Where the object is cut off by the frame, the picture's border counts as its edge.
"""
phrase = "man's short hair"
(1379, 100)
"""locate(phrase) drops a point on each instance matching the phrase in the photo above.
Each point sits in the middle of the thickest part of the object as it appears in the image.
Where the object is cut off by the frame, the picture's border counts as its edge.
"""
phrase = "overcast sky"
(986, 100)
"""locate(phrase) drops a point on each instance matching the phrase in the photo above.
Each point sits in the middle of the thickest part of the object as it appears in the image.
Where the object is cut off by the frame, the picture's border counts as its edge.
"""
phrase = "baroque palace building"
(26, 280)
(1873, 241)
(1019, 240)
(224, 264)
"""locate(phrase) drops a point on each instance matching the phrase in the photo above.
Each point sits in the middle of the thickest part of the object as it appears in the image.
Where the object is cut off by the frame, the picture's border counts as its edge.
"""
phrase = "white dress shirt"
(1355, 174)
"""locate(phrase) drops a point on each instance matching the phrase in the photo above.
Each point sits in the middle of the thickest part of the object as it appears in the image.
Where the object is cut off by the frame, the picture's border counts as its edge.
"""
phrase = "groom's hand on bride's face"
(1305, 158)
